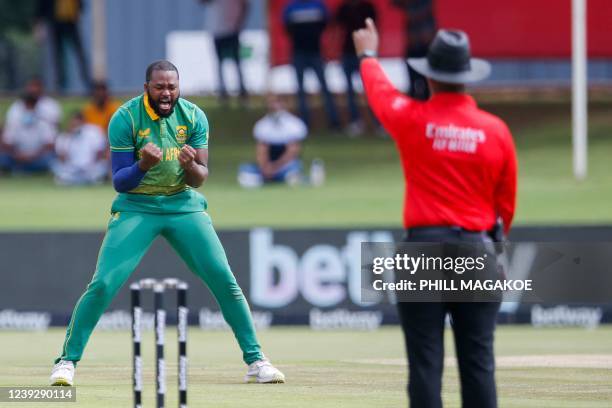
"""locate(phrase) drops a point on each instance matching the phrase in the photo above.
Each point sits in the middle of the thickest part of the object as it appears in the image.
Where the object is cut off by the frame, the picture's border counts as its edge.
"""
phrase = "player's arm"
(195, 164)
(193, 157)
(127, 171)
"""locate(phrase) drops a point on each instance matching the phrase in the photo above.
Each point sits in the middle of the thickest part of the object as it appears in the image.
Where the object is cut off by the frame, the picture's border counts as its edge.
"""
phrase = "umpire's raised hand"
(366, 39)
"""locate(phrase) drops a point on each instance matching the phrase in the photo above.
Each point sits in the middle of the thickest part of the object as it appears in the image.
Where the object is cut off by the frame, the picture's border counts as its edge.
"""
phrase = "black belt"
(445, 230)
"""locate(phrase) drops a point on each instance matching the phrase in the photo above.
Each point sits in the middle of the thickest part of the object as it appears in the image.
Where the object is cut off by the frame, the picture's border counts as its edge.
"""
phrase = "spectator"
(420, 30)
(62, 17)
(351, 16)
(279, 135)
(30, 131)
(45, 107)
(225, 20)
(305, 21)
(99, 110)
(81, 154)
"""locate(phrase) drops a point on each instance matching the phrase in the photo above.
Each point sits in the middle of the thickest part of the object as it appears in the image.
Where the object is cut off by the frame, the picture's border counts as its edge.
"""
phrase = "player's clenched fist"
(150, 155)
(187, 156)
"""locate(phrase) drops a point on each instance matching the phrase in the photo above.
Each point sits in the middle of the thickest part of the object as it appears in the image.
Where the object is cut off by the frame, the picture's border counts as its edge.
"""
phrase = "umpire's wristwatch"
(368, 54)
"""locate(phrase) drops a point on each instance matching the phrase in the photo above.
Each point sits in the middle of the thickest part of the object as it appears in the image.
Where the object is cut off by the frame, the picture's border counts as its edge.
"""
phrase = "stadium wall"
(532, 52)
(289, 276)
(511, 29)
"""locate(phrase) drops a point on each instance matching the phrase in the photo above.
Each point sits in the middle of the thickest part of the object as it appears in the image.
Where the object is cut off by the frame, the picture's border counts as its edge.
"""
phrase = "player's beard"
(155, 105)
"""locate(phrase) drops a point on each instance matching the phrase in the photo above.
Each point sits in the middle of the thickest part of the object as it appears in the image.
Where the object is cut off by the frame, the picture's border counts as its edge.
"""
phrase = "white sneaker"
(63, 374)
(263, 372)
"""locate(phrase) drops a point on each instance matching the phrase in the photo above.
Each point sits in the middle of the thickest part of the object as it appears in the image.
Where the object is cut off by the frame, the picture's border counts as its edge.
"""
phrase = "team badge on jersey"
(144, 132)
(181, 134)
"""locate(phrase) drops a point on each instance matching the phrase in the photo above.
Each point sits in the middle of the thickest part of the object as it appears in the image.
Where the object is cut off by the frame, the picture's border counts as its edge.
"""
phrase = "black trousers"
(473, 326)
(228, 46)
(65, 34)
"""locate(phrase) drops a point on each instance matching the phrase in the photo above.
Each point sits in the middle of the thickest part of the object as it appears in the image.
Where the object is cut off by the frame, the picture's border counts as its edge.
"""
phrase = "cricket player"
(159, 153)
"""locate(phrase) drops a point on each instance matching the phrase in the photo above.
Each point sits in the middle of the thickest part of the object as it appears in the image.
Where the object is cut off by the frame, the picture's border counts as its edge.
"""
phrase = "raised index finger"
(370, 25)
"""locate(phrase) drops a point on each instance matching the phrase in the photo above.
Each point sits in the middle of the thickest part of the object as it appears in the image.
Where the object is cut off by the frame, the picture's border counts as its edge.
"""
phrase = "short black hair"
(447, 87)
(161, 65)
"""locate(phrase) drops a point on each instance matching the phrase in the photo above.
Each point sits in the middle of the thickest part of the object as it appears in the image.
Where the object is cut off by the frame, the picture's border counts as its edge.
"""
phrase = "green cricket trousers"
(128, 237)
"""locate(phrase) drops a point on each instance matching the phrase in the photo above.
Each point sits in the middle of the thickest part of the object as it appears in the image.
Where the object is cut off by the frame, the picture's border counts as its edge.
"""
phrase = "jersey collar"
(148, 108)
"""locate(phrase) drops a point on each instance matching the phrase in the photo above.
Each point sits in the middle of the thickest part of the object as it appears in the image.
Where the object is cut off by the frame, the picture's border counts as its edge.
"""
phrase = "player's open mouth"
(165, 105)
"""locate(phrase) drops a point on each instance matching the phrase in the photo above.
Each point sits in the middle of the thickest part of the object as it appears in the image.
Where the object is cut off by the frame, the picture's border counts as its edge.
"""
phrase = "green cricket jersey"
(163, 188)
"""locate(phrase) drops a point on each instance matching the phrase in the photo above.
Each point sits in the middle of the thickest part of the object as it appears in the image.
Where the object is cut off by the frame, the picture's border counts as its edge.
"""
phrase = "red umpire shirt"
(459, 162)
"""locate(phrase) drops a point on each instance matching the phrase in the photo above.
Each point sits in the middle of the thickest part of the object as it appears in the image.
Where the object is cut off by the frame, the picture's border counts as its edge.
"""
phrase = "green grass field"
(364, 181)
(537, 368)
(540, 368)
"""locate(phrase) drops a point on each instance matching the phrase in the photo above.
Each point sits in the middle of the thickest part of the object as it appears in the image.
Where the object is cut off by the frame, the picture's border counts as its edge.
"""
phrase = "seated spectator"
(279, 135)
(29, 131)
(81, 154)
(45, 107)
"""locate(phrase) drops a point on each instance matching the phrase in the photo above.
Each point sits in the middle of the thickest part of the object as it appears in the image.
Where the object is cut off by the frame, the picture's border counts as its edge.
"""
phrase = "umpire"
(459, 166)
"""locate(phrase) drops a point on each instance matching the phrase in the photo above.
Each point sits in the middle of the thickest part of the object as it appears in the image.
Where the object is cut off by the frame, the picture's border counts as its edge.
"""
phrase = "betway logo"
(562, 316)
(13, 320)
(213, 320)
(344, 319)
(324, 274)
